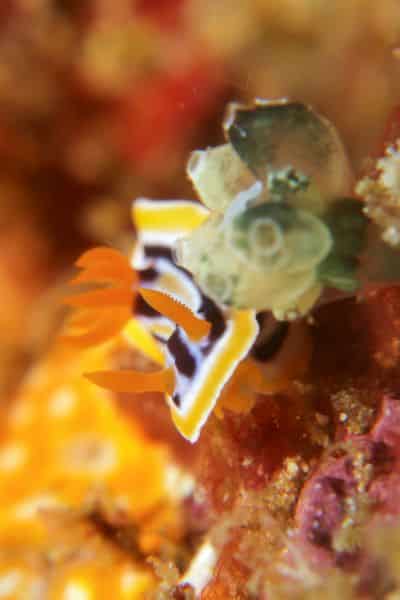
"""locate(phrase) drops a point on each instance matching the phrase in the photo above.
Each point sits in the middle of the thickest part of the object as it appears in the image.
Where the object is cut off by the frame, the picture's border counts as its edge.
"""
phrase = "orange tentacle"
(103, 254)
(134, 382)
(106, 309)
(105, 272)
(101, 298)
(195, 328)
(104, 264)
(86, 318)
(94, 337)
(86, 330)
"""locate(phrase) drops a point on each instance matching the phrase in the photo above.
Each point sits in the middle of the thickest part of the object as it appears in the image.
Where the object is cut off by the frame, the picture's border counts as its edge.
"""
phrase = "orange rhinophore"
(135, 382)
(194, 327)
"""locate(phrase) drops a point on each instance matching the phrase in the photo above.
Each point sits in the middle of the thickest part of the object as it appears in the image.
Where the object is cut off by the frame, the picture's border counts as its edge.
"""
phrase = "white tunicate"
(218, 175)
(257, 261)
(270, 190)
(308, 243)
(266, 237)
(242, 201)
(219, 286)
(280, 290)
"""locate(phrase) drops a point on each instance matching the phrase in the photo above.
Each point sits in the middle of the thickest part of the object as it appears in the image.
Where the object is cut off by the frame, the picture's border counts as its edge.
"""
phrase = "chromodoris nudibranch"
(215, 292)
(198, 344)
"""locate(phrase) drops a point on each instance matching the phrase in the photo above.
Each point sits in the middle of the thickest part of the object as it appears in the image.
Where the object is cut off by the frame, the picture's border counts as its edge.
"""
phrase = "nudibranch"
(216, 291)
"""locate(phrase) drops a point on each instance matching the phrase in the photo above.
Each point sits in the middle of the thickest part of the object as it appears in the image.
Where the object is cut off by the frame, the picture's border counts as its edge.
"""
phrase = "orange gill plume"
(135, 382)
(162, 380)
(102, 312)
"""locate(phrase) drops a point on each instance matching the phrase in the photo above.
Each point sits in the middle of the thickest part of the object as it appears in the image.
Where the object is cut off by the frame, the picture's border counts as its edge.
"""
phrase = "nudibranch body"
(214, 290)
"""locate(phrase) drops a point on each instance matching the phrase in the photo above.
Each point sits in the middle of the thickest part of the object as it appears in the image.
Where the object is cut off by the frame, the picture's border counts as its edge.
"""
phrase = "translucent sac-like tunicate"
(264, 257)
(275, 236)
(281, 225)
(273, 135)
(218, 175)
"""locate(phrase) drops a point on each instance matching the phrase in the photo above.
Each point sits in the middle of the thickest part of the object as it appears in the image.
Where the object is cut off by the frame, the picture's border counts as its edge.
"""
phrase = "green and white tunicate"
(280, 228)
(264, 257)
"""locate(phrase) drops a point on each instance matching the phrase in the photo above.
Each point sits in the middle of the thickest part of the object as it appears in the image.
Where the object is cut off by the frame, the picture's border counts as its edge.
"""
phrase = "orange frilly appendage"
(135, 382)
(109, 297)
(89, 328)
(102, 312)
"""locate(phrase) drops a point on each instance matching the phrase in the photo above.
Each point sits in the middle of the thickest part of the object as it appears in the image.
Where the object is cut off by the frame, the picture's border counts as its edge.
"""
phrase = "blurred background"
(102, 101)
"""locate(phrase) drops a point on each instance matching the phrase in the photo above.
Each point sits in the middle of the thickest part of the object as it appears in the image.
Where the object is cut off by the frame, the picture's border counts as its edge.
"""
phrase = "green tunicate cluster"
(348, 226)
(275, 236)
(264, 257)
